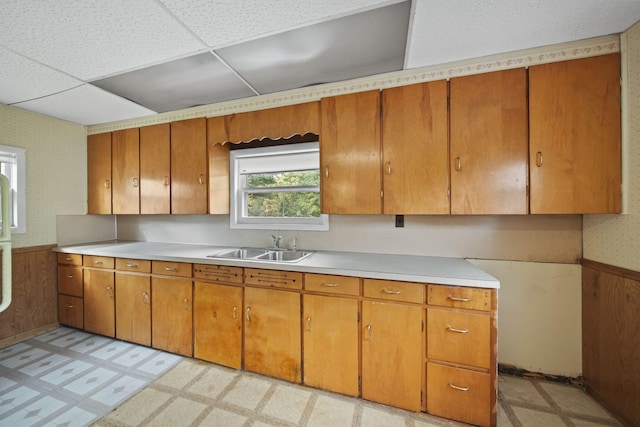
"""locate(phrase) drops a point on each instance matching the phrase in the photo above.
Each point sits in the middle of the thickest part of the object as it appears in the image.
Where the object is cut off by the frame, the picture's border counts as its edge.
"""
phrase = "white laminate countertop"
(410, 268)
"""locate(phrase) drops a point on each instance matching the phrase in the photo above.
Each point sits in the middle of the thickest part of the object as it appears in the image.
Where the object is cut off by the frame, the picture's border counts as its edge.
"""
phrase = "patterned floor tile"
(287, 403)
(16, 397)
(248, 392)
(90, 381)
(112, 350)
(24, 358)
(66, 372)
(37, 368)
(35, 412)
(118, 391)
(134, 356)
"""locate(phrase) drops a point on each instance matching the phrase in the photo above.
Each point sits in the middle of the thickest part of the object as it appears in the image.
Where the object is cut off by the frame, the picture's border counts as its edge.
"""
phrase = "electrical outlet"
(399, 220)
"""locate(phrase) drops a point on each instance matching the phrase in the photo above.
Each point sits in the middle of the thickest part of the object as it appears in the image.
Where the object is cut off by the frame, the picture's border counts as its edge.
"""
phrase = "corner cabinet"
(350, 176)
(575, 157)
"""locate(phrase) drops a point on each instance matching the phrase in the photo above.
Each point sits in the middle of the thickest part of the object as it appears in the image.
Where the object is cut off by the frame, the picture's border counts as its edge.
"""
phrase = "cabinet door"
(133, 308)
(489, 139)
(125, 164)
(392, 356)
(575, 136)
(99, 173)
(350, 154)
(171, 315)
(218, 167)
(330, 326)
(155, 169)
(70, 311)
(189, 166)
(217, 322)
(272, 333)
(99, 304)
(415, 146)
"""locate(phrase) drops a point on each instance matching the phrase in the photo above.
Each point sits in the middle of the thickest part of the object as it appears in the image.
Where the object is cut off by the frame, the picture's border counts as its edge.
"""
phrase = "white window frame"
(265, 159)
(15, 158)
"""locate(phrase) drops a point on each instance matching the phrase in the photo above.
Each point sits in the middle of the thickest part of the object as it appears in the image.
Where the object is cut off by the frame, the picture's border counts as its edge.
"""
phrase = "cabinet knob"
(388, 168)
(145, 298)
(165, 180)
(458, 164)
(107, 183)
(134, 181)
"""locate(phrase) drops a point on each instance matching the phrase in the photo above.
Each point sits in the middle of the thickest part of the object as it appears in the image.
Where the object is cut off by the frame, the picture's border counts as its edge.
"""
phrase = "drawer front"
(98, 261)
(218, 273)
(138, 265)
(71, 311)
(70, 280)
(394, 291)
(273, 278)
(456, 337)
(70, 259)
(168, 268)
(459, 394)
(342, 285)
(460, 297)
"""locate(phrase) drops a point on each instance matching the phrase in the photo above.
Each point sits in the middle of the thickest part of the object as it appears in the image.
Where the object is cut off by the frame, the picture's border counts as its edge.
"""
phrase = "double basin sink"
(259, 254)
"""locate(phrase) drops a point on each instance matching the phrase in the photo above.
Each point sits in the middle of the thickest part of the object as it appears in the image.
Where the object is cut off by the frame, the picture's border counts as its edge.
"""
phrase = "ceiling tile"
(86, 105)
(223, 22)
(22, 79)
(453, 30)
(187, 82)
(93, 38)
(359, 45)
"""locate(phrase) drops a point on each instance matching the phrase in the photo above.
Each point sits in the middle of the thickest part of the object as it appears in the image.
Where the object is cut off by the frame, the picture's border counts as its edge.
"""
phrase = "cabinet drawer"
(273, 278)
(218, 273)
(342, 285)
(98, 261)
(394, 291)
(168, 268)
(70, 311)
(70, 259)
(459, 394)
(70, 280)
(139, 265)
(459, 337)
(459, 297)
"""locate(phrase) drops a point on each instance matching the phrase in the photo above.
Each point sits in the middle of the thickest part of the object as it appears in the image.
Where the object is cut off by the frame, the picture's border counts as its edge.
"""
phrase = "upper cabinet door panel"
(575, 158)
(155, 169)
(489, 136)
(218, 153)
(189, 166)
(415, 149)
(99, 173)
(125, 162)
(350, 154)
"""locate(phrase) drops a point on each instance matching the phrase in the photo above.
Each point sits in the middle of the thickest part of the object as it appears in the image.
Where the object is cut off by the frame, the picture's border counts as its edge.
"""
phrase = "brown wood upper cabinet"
(125, 163)
(350, 154)
(415, 149)
(155, 169)
(189, 166)
(218, 152)
(574, 154)
(99, 173)
(489, 145)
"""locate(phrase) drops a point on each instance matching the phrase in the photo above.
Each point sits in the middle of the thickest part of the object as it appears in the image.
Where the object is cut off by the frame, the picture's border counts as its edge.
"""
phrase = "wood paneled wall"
(611, 338)
(34, 307)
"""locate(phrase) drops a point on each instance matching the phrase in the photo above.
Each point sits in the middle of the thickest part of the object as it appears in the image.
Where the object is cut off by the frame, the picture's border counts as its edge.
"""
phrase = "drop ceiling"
(97, 61)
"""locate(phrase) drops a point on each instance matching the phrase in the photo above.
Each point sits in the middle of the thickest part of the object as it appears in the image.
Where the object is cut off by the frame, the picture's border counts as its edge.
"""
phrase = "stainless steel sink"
(284, 256)
(259, 254)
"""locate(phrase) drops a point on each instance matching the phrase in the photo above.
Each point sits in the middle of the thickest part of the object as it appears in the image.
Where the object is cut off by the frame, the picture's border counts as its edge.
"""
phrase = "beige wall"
(615, 239)
(56, 170)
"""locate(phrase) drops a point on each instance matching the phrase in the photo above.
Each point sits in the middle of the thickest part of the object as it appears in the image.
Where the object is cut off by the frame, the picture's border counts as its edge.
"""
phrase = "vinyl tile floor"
(71, 378)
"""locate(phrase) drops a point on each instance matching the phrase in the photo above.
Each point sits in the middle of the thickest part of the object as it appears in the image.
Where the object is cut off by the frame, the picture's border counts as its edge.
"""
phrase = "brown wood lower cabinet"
(392, 354)
(171, 315)
(272, 333)
(330, 332)
(70, 311)
(217, 323)
(99, 304)
(133, 308)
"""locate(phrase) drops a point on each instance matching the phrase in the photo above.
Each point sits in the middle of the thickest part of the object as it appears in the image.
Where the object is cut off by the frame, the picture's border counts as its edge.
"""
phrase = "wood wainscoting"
(34, 306)
(611, 338)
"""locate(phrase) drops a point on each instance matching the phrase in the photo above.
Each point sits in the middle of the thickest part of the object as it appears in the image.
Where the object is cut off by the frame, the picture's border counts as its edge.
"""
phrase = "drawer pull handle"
(309, 323)
(185, 304)
(386, 291)
(235, 313)
(248, 317)
(330, 285)
(455, 387)
(109, 292)
(132, 265)
(170, 269)
(458, 299)
(201, 178)
(68, 259)
(69, 305)
(369, 332)
(539, 159)
(460, 331)
(69, 276)
(97, 262)
(145, 298)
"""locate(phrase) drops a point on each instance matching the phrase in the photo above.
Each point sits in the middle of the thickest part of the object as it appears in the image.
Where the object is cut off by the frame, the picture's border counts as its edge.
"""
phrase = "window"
(277, 188)
(12, 165)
